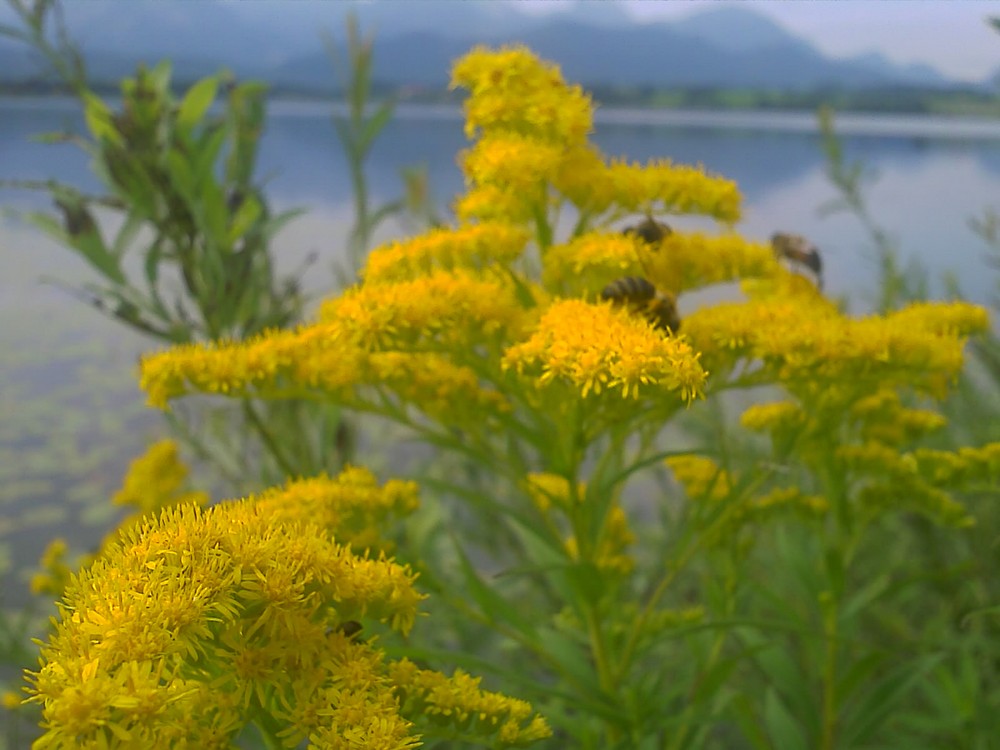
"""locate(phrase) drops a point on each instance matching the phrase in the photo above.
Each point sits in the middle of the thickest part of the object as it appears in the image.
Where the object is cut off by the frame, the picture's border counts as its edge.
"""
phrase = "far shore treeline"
(900, 99)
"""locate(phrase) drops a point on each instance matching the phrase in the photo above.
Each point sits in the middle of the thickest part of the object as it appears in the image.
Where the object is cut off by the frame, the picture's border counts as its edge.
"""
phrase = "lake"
(72, 416)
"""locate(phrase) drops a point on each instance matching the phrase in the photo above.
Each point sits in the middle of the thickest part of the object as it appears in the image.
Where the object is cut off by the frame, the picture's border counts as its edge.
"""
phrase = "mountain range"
(596, 44)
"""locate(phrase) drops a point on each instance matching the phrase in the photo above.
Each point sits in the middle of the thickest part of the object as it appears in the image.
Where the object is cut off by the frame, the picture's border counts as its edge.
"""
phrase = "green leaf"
(91, 246)
(868, 593)
(882, 699)
(783, 674)
(181, 176)
(196, 102)
(858, 675)
(151, 265)
(574, 662)
(129, 229)
(206, 152)
(784, 730)
(159, 77)
(50, 225)
(374, 125)
(214, 213)
(87, 243)
(246, 216)
(753, 731)
(586, 580)
(99, 119)
(491, 604)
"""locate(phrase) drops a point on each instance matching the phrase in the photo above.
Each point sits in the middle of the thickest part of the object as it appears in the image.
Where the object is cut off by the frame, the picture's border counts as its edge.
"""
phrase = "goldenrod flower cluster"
(485, 247)
(532, 152)
(191, 621)
(868, 444)
(547, 490)
(704, 481)
(54, 570)
(597, 348)
(155, 481)
(459, 700)
(805, 344)
(196, 622)
(351, 507)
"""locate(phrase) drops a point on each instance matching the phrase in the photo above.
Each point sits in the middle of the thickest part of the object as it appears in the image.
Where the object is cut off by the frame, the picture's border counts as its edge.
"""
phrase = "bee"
(350, 628)
(649, 230)
(799, 250)
(659, 308)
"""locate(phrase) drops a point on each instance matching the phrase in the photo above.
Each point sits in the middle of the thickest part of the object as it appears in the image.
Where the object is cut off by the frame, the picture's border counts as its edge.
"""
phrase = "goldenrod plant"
(641, 591)
(193, 626)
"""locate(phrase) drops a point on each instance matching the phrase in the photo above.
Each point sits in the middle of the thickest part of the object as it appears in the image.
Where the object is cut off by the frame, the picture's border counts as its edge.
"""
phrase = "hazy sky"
(951, 35)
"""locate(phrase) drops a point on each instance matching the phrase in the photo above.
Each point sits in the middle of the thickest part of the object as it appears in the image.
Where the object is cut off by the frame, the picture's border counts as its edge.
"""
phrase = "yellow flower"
(953, 319)
(587, 263)
(54, 573)
(784, 416)
(545, 489)
(598, 348)
(453, 310)
(659, 187)
(787, 498)
(517, 164)
(970, 465)
(227, 605)
(583, 178)
(892, 481)
(701, 477)
(689, 261)
(473, 247)
(351, 506)
(513, 90)
(154, 480)
(804, 344)
(460, 701)
(10, 700)
(493, 203)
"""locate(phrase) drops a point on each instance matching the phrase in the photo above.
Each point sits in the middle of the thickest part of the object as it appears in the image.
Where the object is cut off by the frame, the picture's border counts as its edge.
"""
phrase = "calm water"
(70, 412)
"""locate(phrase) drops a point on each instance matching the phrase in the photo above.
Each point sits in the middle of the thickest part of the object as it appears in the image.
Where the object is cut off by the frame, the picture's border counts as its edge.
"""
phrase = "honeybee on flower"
(659, 308)
(649, 230)
(800, 251)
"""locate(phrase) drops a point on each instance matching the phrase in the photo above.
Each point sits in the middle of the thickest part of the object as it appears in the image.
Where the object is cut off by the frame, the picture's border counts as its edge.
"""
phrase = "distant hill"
(596, 44)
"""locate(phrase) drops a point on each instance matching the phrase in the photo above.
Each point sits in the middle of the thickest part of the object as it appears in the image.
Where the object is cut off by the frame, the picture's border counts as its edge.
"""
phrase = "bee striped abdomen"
(649, 230)
(640, 295)
(661, 311)
(629, 289)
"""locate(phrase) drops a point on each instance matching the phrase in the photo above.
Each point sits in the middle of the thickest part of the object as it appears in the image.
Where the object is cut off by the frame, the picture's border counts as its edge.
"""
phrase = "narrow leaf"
(196, 102)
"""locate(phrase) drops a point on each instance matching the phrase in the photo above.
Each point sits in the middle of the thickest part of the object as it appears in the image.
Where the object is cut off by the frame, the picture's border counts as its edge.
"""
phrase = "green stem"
(680, 563)
(265, 435)
(830, 635)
